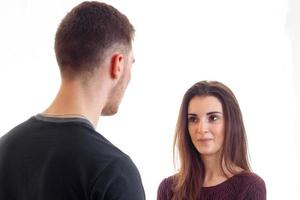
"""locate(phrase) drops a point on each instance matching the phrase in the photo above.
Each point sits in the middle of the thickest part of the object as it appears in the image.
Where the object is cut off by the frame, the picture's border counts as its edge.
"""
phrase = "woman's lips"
(205, 139)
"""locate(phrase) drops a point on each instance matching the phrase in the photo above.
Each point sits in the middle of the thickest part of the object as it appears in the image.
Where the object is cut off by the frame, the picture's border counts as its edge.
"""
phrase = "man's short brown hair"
(85, 34)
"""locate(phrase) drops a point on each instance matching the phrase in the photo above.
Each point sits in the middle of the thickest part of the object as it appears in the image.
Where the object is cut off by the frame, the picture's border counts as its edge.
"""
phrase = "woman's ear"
(116, 65)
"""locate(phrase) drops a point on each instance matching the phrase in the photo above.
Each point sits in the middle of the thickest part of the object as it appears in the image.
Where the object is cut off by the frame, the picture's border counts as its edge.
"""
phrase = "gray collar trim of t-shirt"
(63, 120)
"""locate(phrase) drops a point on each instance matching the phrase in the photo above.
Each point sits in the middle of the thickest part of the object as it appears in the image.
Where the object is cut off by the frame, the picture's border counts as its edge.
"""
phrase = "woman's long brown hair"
(189, 179)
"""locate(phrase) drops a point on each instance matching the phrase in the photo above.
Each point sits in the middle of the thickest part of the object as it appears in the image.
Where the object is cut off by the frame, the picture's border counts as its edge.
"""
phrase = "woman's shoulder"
(168, 180)
(250, 184)
(165, 188)
(167, 183)
(247, 177)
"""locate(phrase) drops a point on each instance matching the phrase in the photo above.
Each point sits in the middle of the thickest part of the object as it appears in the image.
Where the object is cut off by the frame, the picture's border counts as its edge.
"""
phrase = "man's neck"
(73, 99)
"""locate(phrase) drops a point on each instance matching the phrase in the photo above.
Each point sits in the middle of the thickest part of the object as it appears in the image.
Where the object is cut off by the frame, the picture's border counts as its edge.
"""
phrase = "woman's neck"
(214, 173)
(217, 172)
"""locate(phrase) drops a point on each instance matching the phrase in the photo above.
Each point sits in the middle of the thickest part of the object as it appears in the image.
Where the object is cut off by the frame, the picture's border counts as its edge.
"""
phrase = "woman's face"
(206, 124)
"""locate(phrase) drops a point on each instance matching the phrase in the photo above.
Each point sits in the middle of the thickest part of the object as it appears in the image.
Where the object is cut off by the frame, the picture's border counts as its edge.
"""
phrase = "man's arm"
(120, 180)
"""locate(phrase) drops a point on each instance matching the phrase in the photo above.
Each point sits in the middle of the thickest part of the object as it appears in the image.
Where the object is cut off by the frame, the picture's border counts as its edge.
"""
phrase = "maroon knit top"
(246, 186)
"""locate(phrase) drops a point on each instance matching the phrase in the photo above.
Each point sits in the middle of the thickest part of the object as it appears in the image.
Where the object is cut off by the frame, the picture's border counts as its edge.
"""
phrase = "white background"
(251, 46)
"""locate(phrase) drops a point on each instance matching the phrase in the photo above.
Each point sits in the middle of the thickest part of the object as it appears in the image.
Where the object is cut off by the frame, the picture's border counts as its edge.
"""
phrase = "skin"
(206, 127)
(101, 95)
(117, 92)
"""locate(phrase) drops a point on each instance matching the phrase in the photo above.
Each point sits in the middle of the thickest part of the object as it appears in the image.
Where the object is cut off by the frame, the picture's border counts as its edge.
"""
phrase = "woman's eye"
(213, 118)
(192, 119)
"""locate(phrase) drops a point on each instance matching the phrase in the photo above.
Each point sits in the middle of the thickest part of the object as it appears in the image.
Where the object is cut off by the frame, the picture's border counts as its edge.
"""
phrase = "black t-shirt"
(62, 159)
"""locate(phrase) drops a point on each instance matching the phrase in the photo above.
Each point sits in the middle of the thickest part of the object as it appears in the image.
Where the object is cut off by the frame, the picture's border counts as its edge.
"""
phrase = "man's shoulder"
(72, 138)
(120, 179)
(15, 131)
(119, 165)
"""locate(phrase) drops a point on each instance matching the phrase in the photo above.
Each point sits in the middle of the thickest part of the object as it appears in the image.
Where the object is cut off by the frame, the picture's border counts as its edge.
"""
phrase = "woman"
(211, 141)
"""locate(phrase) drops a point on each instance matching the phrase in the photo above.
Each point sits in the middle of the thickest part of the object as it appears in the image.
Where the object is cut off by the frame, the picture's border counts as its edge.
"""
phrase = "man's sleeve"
(120, 180)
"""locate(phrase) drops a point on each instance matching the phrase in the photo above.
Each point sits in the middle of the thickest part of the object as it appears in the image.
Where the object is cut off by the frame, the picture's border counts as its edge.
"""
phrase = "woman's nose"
(202, 127)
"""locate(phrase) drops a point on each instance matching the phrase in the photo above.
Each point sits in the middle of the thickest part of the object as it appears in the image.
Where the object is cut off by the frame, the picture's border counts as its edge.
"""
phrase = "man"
(58, 154)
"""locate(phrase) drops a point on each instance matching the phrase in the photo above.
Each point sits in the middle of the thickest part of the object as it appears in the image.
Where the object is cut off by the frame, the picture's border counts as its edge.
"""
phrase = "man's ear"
(117, 65)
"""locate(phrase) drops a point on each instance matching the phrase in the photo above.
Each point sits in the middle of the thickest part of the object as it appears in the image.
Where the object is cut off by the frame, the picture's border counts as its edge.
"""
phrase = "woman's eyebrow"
(214, 112)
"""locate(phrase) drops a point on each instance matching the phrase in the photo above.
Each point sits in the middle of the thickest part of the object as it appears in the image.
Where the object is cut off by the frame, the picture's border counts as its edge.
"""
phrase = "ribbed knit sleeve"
(256, 189)
(164, 191)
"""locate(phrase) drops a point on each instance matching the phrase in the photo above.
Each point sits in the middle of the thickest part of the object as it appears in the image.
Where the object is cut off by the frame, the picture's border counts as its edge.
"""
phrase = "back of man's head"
(86, 33)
